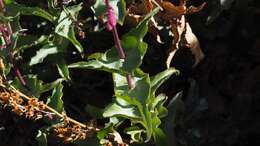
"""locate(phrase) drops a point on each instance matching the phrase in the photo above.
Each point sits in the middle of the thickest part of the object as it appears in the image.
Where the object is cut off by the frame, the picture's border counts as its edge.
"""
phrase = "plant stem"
(8, 40)
(119, 48)
(117, 41)
(50, 109)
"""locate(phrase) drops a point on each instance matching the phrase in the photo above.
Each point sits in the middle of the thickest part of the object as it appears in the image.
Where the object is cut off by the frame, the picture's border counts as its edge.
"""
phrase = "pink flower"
(111, 17)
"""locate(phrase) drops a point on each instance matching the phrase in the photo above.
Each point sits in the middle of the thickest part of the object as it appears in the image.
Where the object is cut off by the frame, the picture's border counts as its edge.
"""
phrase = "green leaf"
(5, 19)
(136, 133)
(104, 131)
(134, 48)
(135, 52)
(17, 9)
(63, 70)
(120, 84)
(43, 53)
(116, 109)
(159, 105)
(160, 138)
(160, 78)
(34, 86)
(65, 27)
(141, 91)
(55, 101)
(148, 120)
(142, 28)
(119, 7)
(94, 111)
(41, 138)
(29, 41)
(175, 108)
(104, 65)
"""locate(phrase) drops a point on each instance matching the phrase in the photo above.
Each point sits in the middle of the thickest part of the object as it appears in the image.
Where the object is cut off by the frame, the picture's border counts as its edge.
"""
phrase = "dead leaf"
(173, 11)
(193, 44)
(193, 9)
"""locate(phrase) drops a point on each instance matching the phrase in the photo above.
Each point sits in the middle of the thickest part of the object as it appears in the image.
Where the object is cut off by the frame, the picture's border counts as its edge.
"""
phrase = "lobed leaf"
(65, 27)
(55, 101)
(41, 54)
(18, 9)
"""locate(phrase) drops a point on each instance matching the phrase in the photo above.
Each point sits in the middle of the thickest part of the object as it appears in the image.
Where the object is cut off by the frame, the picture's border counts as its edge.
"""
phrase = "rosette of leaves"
(140, 104)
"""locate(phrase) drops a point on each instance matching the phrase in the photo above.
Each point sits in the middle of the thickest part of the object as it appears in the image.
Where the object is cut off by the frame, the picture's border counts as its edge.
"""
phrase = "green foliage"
(55, 101)
(65, 27)
(41, 138)
(141, 105)
(43, 53)
(35, 87)
(17, 9)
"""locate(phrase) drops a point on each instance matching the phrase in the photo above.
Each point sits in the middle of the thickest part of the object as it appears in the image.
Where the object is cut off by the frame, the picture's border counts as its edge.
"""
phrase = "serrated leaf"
(119, 7)
(136, 133)
(43, 53)
(16, 9)
(63, 70)
(41, 138)
(34, 86)
(55, 101)
(65, 27)
(160, 78)
(116, 109)
(28, 41)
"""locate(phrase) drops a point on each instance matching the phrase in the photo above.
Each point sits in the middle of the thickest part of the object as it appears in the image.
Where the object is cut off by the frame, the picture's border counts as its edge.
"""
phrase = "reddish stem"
(117, 41)
(119, 48)
(7, 34)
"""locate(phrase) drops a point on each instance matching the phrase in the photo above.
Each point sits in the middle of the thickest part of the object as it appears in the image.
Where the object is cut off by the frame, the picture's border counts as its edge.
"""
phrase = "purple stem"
(7, 38)
(117, 41)
(119, 48)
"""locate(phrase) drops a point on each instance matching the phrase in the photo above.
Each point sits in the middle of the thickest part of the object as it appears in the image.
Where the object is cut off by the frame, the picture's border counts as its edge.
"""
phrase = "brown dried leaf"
(191, 41)
(171, 10)
(193, 44)
(193, 9)
(178, 27)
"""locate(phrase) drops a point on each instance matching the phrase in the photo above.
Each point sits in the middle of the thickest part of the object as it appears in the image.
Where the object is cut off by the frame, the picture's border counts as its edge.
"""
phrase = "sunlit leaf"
(134, 47)
(41, 138)
(43, 53)
(63, 70)
(158, 79)
(29, 41)
(115, 109)
(65, 27)
(14, 9)
(55, 101)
